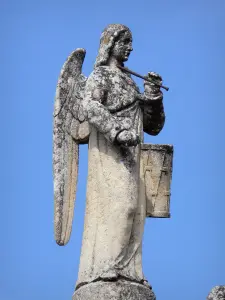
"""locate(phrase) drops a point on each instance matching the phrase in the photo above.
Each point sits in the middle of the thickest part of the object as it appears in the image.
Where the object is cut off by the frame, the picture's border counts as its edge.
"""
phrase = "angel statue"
(107, 111)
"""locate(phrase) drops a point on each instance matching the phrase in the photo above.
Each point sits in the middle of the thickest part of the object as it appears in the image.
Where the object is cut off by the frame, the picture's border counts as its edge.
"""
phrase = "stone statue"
(107, 111)
(217, 293)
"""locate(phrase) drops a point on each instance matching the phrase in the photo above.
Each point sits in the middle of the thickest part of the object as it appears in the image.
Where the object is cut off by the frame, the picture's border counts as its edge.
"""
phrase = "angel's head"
(116, 40)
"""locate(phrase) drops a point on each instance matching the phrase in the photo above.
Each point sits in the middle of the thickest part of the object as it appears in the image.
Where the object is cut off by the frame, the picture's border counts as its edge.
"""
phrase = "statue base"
(114, 290)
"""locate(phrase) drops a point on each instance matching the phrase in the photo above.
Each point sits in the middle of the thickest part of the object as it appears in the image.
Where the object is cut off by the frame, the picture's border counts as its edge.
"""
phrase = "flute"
(143, 77)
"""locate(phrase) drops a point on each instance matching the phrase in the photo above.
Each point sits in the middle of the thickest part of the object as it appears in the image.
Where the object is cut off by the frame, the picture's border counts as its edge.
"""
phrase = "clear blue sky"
(184, 41)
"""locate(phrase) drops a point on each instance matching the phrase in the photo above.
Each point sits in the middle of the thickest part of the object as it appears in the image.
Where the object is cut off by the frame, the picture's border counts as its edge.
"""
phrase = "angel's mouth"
(127, 53)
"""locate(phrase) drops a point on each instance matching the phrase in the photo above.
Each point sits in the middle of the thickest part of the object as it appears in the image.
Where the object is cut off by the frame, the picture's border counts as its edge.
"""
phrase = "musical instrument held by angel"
(156, 173)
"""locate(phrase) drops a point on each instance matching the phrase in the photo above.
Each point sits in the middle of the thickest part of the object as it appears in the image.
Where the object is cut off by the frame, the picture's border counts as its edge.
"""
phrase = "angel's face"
(123, 47)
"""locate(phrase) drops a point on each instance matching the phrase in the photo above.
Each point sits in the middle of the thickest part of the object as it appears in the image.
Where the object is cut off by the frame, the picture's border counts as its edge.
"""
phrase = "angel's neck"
(113, 62)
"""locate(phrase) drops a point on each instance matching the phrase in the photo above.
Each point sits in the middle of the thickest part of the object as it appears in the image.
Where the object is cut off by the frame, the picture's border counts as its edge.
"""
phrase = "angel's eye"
(127, 41)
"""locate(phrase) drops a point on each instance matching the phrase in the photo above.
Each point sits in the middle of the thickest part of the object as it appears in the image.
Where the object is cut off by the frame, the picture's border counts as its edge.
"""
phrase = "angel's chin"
(126, 57)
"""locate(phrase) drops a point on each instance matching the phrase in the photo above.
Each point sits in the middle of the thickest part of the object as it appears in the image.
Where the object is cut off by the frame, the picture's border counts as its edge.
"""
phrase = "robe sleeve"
(96, 112)
(153, 117)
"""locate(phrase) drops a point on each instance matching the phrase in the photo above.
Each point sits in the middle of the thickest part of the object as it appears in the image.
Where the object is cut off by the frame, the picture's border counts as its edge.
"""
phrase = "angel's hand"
(155, 76)
(152, 90)
(128, 138)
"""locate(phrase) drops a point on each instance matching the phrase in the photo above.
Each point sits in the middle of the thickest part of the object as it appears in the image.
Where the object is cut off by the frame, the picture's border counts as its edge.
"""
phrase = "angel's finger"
(155, 75)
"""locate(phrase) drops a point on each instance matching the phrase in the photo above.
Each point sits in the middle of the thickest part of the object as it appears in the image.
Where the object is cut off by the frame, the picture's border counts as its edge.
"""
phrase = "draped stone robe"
(115, 203)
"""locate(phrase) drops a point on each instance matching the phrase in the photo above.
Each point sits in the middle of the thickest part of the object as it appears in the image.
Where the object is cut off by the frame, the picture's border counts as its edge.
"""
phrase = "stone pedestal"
(117, 290)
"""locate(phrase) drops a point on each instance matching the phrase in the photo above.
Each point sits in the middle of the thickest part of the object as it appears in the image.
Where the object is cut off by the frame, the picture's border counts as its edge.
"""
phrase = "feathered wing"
(70, 130)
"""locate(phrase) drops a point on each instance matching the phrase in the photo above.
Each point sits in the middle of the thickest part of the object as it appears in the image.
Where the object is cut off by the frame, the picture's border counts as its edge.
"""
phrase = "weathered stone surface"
(217, 293)
(108, 110)
(156, 173)
(115, 202)
(119, 290)
(68, 132)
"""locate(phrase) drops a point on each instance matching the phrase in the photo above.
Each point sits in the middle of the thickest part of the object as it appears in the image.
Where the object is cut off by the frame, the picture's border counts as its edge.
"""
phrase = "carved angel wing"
(70, 130)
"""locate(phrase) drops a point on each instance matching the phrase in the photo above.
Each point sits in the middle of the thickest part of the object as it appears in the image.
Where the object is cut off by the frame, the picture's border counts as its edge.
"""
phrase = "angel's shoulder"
(99, 77)
(101, 72)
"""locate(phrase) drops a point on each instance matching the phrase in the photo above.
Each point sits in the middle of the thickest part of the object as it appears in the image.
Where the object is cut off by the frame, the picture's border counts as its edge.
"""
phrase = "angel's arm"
(153, 109)
(96, 113)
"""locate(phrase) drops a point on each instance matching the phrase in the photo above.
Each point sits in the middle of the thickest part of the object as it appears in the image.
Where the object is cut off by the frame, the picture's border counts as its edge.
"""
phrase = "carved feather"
(70, 130)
